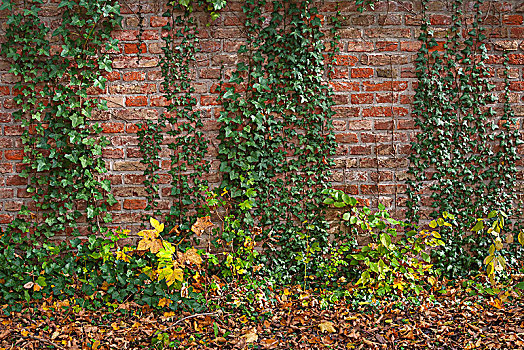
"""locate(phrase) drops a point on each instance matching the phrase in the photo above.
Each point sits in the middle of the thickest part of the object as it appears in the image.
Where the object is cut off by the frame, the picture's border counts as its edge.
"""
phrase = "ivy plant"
(60, 71)
(465, 154)
(276, 131)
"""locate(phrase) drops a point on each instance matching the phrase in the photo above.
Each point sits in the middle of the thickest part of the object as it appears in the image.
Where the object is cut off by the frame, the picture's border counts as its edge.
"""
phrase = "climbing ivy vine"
(60, 73)
(465, 154)
(181, 120)
(276, 135)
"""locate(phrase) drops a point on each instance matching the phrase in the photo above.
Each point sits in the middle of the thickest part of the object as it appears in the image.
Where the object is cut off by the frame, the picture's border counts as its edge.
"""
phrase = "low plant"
(495, 261)
(232, 243)
(390, 262)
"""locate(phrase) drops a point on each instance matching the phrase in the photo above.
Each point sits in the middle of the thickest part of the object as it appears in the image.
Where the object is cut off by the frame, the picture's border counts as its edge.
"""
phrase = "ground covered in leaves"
(448, 318)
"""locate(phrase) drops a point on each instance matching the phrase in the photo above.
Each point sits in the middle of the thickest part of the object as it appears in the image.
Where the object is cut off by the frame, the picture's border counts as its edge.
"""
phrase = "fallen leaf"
(327, 326)
(251, 336)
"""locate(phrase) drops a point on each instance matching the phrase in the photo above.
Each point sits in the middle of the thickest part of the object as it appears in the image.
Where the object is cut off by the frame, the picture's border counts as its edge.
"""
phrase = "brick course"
(373, 84)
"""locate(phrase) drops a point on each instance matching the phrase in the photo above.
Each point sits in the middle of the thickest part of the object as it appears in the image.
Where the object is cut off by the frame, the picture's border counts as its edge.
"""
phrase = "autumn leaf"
(251, 336)
(327, 326)
(171, 275)
(190, 256)
(149, 241)
(164, 302)
(157, 225)
(201, 225)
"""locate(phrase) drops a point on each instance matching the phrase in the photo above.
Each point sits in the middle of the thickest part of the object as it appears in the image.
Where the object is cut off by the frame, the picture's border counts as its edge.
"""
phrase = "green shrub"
(389, 262)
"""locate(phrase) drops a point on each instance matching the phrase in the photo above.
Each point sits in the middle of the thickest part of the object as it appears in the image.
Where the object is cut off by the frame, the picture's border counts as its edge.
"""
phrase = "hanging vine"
(61, 71)
(181, 120)
(277, 135)
(464, 155)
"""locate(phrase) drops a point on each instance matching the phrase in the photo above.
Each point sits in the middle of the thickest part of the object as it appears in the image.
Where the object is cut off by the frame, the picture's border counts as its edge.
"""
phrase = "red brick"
(112, 76)
(360, 46)
(134, 204)
(406, 124)
(112, 153)
(345, 60)
(440, 20)
(134, 48)
(384, 112)
(7, 193)
(5, 219)
(362, 98)
(359, 150)
(15, 180)
(12, 205)
(13, 130)
(6, 168)
(387, 45)
(136, 101)
(514, 20)
(360, 125)
(346, 138)
(361, 72)
(134, 76)
(5, 117)
(111, 128)
(14, 154)
(342, 86)
(385, 86)
(208, 101)
(157, 21)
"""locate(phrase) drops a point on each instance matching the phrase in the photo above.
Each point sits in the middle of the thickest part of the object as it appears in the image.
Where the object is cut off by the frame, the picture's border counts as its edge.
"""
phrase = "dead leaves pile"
(293, 320)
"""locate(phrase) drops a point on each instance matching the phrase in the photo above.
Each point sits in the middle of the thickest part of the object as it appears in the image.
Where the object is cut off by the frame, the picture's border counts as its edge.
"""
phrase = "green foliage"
(464, 155)
(213, 6)
(233, 240)
(100, 271)
(188, 146)
(276, 127)
(60, 71)
(495, 261)
(389, 263)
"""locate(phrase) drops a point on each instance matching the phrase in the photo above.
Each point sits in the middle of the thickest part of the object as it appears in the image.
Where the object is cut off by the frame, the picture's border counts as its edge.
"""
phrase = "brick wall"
(373, 84)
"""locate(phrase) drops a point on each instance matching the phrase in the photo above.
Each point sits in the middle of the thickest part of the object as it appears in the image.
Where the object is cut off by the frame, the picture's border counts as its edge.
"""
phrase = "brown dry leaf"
(269, 343)
(201, 225)
(327, 326)
(190, 256)
(251, 336)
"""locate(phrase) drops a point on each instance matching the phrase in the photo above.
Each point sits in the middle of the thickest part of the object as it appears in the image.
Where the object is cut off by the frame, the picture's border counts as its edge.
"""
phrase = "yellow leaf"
(171, 275)
(521, 237)
(164, 302)
(498, 243)
(327, 326)
(201, 224)
(105, 286)
(155, 246)
(157, 225)
(95, 345)
(120, 255)
(115, 326)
